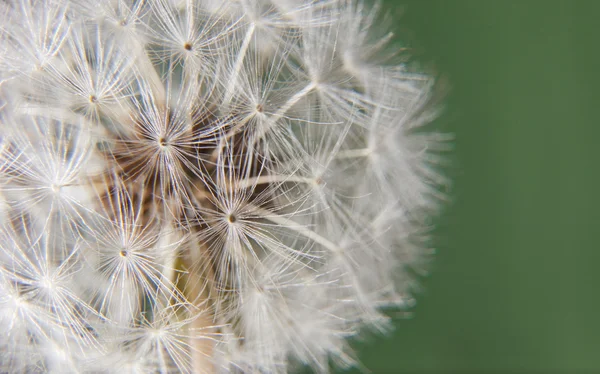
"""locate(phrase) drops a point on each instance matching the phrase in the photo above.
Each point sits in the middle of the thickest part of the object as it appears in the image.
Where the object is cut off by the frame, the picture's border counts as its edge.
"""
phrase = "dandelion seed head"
(202, 186)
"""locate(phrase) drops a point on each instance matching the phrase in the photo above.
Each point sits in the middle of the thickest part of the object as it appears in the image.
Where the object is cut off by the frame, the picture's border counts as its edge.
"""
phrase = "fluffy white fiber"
(206, 186)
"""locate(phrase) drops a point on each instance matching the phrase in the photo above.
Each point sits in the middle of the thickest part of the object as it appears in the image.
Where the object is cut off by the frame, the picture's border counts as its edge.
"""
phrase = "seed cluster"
(206, 186)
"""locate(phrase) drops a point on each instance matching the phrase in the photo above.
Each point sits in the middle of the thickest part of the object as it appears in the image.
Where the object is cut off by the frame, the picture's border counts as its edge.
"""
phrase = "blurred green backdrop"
(514, 286)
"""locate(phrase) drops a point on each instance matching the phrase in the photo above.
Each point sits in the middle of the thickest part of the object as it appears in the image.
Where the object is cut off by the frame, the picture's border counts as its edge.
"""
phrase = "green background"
(514, 288)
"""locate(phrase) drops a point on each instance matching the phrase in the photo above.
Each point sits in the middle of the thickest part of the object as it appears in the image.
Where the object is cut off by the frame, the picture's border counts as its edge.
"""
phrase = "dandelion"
(202, 186)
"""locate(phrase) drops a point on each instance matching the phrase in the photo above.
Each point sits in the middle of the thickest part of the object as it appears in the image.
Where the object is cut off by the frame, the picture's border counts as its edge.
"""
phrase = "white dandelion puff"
(199, 186)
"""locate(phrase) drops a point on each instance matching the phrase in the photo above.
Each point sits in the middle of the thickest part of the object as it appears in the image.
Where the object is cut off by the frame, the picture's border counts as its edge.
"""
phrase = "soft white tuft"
(202, 186)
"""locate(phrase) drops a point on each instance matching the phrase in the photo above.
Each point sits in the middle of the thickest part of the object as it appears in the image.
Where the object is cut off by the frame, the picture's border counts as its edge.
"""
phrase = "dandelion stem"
(199, 290)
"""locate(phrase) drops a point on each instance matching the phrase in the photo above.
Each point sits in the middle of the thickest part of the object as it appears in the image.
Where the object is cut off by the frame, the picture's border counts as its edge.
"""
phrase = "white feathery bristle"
(202, 186)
